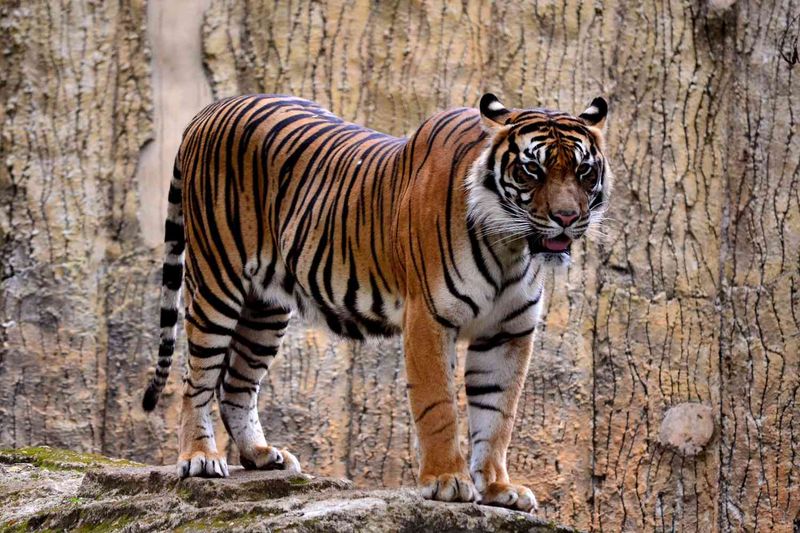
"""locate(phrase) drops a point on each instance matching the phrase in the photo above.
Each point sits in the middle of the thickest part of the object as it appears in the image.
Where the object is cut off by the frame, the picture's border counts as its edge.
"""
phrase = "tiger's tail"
(172, 279)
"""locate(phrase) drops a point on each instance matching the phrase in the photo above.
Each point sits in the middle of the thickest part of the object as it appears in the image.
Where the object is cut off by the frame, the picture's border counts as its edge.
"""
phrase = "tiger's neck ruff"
(278, 207)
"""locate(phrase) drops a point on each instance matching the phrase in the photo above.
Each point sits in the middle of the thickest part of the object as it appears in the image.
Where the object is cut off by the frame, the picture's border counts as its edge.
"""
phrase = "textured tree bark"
(691, 296)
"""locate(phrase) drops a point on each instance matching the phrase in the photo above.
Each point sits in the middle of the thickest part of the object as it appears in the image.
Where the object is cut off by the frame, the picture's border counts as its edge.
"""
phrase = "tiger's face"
(543, 177)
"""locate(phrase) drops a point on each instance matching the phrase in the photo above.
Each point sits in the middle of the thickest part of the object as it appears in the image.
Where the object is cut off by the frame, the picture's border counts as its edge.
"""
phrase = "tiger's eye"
(531, 169)
(586, 172)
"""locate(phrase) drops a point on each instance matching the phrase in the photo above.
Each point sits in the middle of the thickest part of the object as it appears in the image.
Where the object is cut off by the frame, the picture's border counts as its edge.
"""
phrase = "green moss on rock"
(227, 521)
(103, 527)
(16, 526)
(299, 481)
(58, 459)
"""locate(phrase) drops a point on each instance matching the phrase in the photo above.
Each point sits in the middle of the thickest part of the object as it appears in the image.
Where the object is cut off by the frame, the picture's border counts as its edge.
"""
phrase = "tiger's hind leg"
(256, 341)
(209, 327)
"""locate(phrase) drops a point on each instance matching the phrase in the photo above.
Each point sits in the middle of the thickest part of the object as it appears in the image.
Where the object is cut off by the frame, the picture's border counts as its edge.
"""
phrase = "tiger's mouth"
(557, 245)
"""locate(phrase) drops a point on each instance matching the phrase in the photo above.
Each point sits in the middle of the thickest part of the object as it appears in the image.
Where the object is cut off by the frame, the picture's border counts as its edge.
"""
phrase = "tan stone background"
(693, 297)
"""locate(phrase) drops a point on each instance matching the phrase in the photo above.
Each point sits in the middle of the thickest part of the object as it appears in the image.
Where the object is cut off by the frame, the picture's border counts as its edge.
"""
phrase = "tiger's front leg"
(494, 376)
(430, 357)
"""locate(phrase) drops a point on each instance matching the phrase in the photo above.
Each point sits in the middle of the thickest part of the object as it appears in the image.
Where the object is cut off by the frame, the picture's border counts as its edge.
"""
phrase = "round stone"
(687, 428)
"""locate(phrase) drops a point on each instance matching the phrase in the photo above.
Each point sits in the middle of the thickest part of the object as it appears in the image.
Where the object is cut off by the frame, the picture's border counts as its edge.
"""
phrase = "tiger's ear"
(493, 112)
(595, 114)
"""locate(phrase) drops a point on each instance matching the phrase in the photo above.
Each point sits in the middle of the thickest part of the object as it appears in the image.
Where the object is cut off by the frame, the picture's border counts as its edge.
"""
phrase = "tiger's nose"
(564, 218)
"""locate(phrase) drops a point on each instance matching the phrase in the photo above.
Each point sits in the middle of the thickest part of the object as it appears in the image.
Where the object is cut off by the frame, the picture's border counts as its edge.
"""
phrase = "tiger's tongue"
(558, 244)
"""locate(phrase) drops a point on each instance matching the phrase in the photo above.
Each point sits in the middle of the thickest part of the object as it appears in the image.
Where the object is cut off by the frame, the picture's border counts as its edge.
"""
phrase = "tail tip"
(150, 398)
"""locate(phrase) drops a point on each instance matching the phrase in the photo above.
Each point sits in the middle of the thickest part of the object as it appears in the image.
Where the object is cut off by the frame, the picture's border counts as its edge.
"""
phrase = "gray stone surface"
(39, 491)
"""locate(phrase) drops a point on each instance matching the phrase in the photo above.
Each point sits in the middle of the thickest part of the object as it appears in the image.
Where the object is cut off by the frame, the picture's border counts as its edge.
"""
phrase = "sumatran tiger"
(277, 206)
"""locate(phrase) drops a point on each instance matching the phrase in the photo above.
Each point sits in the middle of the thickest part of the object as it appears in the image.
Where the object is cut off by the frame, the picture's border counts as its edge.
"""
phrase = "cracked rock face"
(693, 295)
(39, 494)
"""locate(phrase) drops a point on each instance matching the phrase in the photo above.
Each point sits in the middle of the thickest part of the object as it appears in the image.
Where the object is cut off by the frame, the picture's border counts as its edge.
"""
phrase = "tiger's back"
(310, 203)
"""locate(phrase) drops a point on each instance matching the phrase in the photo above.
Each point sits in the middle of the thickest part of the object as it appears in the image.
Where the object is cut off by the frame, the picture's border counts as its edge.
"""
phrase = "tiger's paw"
(511, 496)
(202, 464)
(271, 458)
(448, 488)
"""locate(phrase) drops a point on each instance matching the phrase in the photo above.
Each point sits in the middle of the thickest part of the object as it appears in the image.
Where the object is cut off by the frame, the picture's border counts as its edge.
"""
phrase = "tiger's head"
(543, 176)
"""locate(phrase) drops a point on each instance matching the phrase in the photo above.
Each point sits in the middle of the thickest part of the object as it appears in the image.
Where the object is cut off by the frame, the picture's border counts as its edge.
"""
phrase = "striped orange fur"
(277, 206)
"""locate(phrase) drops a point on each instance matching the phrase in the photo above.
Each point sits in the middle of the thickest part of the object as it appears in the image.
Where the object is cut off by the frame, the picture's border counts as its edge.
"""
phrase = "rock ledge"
(91, 493)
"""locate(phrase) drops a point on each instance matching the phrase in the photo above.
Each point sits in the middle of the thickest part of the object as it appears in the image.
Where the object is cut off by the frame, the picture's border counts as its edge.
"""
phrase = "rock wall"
(691, 295)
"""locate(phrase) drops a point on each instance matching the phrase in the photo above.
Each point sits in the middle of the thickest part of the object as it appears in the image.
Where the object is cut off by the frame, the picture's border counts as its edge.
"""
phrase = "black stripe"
(255, 364)
(166, 349)
(234, 404)
(169, 317)
(262, 326)
(484, 344)
(198, 390)
(487, 407)
(204, 352)
(203, 404)
(232, 372)
(177, 247)
(234, 389)
(517, 312)
(479, 260)
(174, 196)
(173, 232)
(266, 312)
(218, 305)
(448, 280)
(442, 428)
(258, 350)
(206, 326)
(476, 372)
(429, 409)
(172, 276)
(479, 390)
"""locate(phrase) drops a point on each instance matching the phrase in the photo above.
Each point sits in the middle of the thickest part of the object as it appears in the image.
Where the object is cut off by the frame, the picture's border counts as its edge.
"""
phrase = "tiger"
(277, 207)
